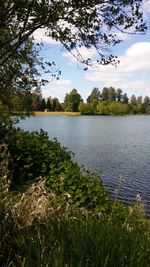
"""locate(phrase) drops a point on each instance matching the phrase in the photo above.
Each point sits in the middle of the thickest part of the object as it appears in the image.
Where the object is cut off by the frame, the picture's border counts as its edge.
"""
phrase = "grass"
(36, 230)
(66, 113)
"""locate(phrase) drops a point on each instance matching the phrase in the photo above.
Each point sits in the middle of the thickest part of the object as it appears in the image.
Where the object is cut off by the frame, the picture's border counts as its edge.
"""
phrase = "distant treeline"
(109, 101)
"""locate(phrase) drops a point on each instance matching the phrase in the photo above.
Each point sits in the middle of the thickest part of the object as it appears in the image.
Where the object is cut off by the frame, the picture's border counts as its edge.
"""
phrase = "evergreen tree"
(48, 104)
(104, 94)
(133, 100)
(43, 105)
(111, 94)
(119, 95)
(125, 99)
(146, 104)
(56, 106)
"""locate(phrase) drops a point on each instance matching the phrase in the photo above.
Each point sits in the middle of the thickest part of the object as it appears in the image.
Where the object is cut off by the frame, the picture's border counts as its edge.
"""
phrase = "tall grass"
(54, 235)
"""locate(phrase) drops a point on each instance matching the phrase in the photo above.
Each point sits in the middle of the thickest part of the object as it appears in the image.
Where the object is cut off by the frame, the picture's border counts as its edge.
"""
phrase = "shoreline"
(57, 113)
(70, 113)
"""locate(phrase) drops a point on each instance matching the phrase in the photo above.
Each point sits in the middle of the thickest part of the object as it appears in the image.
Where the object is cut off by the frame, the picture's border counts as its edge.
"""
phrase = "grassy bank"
(36, 230)
(52, 214)
(56, 113)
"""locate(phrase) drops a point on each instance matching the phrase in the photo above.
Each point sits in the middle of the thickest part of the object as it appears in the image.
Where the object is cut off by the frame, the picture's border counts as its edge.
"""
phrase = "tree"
(125, 99)
(72, 101)
(18, 74)
(36, 99)
(75, 24)
(56, 106)
(108, 94)
(146, 100)
(146, 104)
(119, 95)
(104, 94)
(133, 100)
(86, 108)
(102, 109)
(139, 104)
(48, 104)
(133, 104)
(94, 97)
(111, 94)
(117, 108)
(43, 105)
(27, 103)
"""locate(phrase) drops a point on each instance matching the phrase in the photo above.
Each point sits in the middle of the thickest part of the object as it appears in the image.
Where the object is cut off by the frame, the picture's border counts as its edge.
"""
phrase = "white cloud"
(146, 7)
(121, 35)
(82, 53)
(57, 88)
(146, 11)
(62, 82)
(40, 36)
(132, 74)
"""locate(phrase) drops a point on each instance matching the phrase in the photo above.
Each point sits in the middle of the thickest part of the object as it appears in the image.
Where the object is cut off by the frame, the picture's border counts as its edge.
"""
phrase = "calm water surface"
(111, 145)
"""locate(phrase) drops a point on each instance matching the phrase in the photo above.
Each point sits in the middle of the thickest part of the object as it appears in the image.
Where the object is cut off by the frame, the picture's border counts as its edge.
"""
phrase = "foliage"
(86, 109)
(36, 99)
(94, 97)
(117, 108)
(102, 109)
(56, 106)
(22, 102)
(48, 104)
(42, 104)
(125, 99)
(72, 101)
(32, 155)
(119, 95)
(75, 25)
(18, 76)
(111, 101)
(72, 23)
(111, 94)
(75, 188)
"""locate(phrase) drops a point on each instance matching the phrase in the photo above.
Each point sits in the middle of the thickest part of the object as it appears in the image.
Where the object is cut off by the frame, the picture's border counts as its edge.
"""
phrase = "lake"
(112, 146)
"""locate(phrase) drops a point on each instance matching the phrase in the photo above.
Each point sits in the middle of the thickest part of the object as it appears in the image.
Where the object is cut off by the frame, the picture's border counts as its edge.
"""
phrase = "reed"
(36, 230)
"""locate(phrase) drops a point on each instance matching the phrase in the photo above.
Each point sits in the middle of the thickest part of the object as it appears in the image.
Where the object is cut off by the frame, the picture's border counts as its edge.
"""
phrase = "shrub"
(33, 155)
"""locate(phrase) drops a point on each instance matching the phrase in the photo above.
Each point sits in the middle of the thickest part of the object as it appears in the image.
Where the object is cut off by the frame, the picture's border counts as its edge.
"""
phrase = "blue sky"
(132, 75)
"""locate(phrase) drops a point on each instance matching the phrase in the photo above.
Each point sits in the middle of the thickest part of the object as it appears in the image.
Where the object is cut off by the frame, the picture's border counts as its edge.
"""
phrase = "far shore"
(67, 113)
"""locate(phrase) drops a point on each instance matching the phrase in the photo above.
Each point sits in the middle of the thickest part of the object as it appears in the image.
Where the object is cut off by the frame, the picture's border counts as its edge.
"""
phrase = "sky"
(132, 74)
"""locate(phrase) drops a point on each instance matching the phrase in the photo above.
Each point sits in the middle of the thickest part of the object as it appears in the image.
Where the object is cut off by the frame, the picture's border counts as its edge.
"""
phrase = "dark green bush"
(78, 189)
(32, 155)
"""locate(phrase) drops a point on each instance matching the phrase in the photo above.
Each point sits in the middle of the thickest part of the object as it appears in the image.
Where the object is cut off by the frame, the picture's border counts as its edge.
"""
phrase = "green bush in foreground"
(33, 155)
